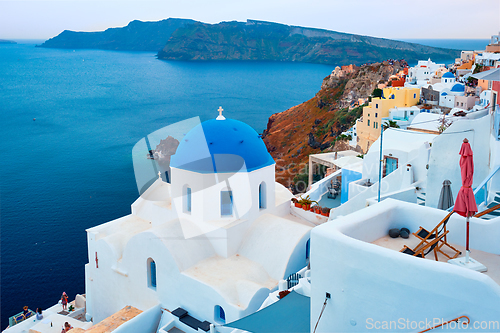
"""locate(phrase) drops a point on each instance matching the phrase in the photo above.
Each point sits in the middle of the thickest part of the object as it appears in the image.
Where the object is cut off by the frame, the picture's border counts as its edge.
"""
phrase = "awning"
(491, 75)
(290, 314)
(347, 160)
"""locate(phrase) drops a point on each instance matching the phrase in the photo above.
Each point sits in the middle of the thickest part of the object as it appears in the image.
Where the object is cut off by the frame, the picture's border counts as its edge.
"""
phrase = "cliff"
(136, 36)
(315, 125)
(184, 39)
(258, 40)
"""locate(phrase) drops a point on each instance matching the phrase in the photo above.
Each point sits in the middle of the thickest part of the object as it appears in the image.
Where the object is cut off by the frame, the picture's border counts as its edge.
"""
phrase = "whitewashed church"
(214, 242)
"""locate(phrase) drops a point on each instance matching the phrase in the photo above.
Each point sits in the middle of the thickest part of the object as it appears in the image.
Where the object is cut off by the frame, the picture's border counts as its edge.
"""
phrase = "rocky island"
(184, 39)
(136, 36)
(267, 41)
(4, 41)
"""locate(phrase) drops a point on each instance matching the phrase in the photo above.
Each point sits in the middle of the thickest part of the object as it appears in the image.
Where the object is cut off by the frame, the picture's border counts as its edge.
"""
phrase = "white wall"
(444, 159)
(367, 281)
(206, 197)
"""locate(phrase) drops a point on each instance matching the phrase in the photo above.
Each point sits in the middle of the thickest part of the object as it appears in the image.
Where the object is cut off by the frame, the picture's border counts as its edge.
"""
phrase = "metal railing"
(446, 323)
(483, 186)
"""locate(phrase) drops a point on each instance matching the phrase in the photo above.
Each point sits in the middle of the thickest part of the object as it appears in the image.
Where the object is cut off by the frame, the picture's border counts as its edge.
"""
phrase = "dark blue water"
(71, 169)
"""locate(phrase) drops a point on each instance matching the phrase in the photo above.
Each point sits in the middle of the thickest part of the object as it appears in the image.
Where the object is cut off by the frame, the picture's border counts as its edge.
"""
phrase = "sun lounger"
(422, 249)
(439, 232)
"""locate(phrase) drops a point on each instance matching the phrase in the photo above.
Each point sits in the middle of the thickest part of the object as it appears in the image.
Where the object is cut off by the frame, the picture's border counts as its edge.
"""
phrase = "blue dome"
(458, 87)
(448, 75)
(221, 146)
(444, 94)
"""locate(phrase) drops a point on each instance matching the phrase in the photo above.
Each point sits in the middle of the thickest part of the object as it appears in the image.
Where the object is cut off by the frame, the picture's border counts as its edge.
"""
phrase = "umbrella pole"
(467, 241)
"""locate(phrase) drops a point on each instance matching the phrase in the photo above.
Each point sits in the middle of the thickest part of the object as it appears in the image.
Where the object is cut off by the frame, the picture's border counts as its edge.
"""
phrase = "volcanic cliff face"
(258, 40)
(184, 39)
(314, 126)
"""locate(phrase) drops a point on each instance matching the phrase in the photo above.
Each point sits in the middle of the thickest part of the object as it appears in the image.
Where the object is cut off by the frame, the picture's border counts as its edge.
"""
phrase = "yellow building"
(368, 127)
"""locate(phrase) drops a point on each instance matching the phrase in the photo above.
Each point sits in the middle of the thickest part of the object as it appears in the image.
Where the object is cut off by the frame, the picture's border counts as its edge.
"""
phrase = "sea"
(69, 120)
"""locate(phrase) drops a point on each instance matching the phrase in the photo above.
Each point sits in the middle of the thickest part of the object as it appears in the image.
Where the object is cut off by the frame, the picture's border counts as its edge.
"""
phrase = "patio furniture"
(424, 248)
(439, 232)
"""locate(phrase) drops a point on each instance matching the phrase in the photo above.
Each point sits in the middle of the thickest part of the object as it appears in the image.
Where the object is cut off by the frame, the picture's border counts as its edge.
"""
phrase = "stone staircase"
(421, 198)
(496, 213)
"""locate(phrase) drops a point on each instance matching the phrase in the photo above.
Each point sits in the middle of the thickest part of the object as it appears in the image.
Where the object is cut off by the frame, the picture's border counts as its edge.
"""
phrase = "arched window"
(186, 204)
(262, 196)
(151, 267)
(226, 203)
(219, 315)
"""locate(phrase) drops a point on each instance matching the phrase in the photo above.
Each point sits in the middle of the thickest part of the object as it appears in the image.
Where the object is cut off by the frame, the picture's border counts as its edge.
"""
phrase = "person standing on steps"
(64, 300)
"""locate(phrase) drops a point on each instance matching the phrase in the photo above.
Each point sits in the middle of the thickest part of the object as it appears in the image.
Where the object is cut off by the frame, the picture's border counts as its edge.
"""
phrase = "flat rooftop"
(490, 260)
(115, 320)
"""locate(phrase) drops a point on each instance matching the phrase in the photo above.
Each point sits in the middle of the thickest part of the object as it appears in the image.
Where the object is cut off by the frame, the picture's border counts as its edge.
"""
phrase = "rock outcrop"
(314, 126)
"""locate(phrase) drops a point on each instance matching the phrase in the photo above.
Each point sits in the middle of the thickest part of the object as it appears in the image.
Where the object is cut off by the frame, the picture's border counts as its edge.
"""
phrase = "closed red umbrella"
(465, 204)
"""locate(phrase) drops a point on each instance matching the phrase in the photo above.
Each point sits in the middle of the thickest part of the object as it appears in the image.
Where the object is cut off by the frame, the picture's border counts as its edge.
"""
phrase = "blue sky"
(396, 19)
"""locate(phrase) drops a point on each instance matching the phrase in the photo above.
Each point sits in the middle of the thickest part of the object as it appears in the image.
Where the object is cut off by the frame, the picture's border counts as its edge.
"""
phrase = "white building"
(420, 74)
(485, 98)
(448, 88)
(488, 59)
(403, 116)
(353, 142)
(203, 242)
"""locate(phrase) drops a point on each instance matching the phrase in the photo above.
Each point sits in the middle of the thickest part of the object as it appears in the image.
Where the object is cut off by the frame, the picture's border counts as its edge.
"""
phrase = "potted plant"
(296, 203)
(306, 202)
(325, 211)
(318, 209)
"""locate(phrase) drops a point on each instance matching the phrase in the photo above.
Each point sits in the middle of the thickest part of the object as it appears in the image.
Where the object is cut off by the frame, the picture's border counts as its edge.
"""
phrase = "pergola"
(335, 160)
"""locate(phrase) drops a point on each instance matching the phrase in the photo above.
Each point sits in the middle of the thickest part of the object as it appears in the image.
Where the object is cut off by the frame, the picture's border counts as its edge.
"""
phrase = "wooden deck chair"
(422, 249)
(425, 236)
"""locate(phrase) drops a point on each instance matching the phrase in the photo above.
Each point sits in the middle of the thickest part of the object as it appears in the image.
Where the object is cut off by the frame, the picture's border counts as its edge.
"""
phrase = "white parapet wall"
(369, 283)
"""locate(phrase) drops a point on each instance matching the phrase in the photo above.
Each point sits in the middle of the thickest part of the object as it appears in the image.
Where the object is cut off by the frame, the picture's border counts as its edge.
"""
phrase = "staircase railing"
(482, 186)
(446, 323)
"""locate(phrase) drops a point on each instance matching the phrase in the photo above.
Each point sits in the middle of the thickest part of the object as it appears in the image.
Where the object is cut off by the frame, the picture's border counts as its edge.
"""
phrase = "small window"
(368, 122)
(151, 273)
(226, 203)
(376, 106)
(376, 114)
(187, 205)
(414, 95)
(262, 195)
(219, 315)
(411, 113)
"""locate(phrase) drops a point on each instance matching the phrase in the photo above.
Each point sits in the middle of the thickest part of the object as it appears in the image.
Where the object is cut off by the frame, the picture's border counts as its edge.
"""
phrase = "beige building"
(368, 127)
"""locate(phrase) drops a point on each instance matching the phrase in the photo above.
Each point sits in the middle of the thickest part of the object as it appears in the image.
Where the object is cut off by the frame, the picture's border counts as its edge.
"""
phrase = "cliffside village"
(428, 97)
